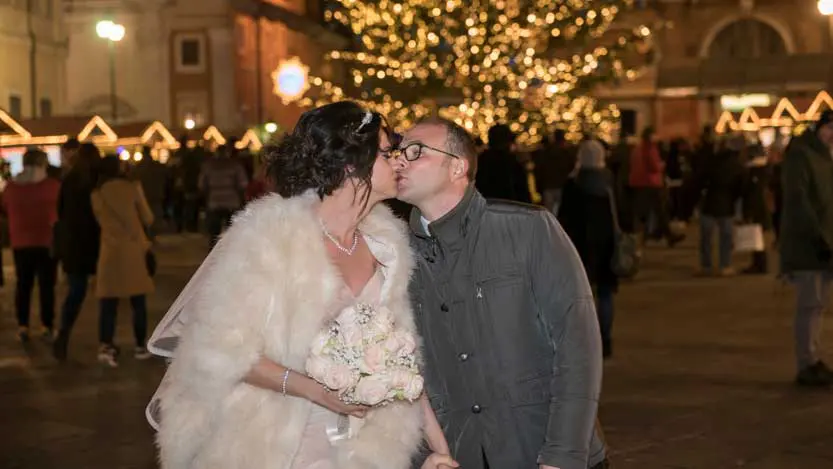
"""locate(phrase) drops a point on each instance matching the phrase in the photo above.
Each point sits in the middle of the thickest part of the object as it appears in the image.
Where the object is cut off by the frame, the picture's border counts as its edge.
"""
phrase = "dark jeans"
(191, 213)
(724, 227)
(604, 310)
(109, 308)
(31, 263)
(217, 220)
(76, 293)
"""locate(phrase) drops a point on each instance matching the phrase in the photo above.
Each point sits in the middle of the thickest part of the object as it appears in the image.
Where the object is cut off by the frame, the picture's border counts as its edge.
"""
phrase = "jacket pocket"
(532, 388)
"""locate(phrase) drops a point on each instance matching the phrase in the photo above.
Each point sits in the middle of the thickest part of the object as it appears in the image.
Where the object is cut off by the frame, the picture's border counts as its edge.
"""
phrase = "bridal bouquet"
(363, 357)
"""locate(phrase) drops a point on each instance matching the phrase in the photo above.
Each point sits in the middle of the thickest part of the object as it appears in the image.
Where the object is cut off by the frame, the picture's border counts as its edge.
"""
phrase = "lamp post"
(113, 33)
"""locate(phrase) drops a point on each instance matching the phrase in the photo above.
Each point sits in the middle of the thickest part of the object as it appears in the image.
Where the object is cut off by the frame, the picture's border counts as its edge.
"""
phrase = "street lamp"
(113, 33)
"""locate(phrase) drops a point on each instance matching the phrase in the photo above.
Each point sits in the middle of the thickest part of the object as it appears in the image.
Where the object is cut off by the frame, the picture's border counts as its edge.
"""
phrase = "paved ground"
(701, 378)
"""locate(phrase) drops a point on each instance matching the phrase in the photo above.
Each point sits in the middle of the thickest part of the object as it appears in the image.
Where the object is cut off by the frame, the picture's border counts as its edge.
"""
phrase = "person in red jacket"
(30, 202)
(646, 179)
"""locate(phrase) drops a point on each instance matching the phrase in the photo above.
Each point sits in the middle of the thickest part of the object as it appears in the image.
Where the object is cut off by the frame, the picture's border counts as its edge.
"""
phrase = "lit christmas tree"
(526, 63)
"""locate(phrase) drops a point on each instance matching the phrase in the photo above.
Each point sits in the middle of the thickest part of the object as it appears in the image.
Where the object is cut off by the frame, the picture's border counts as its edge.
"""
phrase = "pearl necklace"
(349, 251)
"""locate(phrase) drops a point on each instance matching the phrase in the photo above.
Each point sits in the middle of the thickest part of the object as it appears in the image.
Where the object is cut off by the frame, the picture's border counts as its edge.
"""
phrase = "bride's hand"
(439, 461)
(330, 400)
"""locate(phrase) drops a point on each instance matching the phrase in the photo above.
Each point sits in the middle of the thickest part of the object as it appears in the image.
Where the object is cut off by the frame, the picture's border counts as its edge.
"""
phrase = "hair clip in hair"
(368, 117)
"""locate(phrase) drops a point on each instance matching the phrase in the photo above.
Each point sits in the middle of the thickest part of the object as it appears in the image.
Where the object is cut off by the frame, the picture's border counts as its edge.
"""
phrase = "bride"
(235, 395)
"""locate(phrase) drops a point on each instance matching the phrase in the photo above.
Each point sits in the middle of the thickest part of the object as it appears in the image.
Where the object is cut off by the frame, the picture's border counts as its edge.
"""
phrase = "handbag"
(150, 257)
(627, 255)
(749, 238)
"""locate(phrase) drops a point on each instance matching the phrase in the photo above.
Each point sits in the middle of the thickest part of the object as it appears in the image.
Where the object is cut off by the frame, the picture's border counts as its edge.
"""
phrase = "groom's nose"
(400, 163)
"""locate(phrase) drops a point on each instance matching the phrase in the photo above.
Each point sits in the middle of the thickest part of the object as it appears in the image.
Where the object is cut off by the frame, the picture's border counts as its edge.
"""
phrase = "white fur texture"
(267, 293)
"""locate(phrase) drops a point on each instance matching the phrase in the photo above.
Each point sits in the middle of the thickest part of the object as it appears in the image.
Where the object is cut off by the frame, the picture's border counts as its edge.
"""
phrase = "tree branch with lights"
(526, 63)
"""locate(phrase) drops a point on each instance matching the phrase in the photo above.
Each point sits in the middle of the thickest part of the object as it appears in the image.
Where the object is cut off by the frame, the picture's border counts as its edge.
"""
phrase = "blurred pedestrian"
(153, 176)
(499, 174)
(77, 238)
(586, 214)
(30, 202)
(806, 242)
(554, 163)
(720, 183)
(223, 184)
(646, 179)
(123, 270)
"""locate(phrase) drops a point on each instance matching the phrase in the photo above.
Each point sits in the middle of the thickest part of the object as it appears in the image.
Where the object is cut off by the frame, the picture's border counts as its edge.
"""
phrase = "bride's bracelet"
(285, 379)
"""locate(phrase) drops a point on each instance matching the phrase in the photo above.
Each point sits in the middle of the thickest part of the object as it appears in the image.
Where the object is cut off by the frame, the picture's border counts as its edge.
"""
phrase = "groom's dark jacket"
(511, 340)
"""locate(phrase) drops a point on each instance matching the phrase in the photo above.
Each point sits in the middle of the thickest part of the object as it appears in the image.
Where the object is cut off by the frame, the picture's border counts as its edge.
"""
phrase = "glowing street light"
(110, 31)
(113, 33)
(291, 80)
(190, 124)
(271, 127)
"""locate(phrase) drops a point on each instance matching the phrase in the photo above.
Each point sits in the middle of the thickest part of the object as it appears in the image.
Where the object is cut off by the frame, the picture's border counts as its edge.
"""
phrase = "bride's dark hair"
(328, 145)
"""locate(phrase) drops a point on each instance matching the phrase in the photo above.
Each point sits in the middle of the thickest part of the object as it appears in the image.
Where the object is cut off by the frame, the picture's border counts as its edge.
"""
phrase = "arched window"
(747, 39)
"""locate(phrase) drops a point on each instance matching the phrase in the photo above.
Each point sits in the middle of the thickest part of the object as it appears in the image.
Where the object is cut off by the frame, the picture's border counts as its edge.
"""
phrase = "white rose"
(318, 368)
(414, 388)
(408, 342)
(392, 344)
(351, 334)
(319, 344)
(384, 314)
(374, 359)
(378, 327)
(348, 316)
(339, 378)
(372, 390)
(400, 378)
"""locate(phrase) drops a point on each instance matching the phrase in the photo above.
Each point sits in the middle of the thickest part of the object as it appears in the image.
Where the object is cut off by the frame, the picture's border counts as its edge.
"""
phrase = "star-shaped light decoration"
(291, 80)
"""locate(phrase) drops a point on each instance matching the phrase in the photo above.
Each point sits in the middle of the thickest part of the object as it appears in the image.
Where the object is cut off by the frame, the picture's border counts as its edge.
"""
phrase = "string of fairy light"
(481, 62)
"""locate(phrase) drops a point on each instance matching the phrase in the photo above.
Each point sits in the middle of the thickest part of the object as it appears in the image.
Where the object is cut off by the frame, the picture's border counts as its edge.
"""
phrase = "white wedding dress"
(325, 428)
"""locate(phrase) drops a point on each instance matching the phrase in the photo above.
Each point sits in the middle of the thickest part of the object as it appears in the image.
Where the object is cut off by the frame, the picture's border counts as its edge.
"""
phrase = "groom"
(512, 350)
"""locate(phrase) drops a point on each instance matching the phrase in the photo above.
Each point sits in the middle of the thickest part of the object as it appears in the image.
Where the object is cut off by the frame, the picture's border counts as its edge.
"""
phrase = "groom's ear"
(460, 168)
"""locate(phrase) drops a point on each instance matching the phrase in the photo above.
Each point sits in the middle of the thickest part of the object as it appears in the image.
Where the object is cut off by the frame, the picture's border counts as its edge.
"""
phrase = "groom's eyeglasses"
(413, 151)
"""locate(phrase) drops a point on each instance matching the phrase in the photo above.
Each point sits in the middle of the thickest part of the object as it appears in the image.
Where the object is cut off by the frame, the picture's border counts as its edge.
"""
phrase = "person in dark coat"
(755, 206)
(720, 181)
(77, 238)
(500, 175)
(554, 163)
(806, 243)
(586, 214)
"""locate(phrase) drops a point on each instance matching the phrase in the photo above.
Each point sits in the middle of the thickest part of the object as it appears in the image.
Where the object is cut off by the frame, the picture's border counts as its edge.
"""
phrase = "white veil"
(165, 337)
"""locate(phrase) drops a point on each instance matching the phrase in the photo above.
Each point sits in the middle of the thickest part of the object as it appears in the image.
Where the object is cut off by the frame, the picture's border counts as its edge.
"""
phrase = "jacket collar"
(454, 225)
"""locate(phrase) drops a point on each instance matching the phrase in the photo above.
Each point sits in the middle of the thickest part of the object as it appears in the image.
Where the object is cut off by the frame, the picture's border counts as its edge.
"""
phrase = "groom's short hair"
(458, 142)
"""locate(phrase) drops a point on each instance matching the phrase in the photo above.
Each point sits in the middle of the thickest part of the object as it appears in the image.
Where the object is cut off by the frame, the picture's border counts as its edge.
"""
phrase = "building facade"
(196, 61)
(713, 55)
(33, 51)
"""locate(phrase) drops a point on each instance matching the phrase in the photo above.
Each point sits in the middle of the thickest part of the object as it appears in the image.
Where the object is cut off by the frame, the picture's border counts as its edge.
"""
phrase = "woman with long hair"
(76, 238)
(123, 214)
(236, 395)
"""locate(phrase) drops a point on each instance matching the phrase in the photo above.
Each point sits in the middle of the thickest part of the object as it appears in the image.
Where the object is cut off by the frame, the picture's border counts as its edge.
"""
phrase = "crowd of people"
(98, 216)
